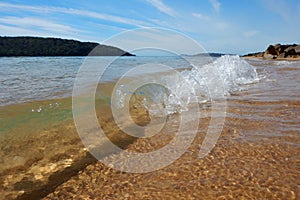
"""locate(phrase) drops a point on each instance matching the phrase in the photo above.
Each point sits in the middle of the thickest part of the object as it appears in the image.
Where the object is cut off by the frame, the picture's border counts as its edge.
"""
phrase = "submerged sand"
(239, 167)
(256, 156)
(251, 160)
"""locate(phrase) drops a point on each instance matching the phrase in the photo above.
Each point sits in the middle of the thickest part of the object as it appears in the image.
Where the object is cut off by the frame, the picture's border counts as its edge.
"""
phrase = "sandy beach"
(280, 59)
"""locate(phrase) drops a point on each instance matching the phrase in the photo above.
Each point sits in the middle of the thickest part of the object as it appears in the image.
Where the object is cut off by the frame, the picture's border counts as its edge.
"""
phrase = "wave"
(175, 91)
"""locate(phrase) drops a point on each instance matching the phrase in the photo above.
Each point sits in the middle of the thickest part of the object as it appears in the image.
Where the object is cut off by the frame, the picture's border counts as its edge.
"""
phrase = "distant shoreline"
(49, 47)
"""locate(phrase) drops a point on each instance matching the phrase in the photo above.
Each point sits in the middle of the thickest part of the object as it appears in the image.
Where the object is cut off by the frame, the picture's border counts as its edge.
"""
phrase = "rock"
(297, 49)
(277, 46)
(268, 56)
(278, 51)
(260, 54)
(293, 51)
(292, 47)
(272, 50)
(282, 55)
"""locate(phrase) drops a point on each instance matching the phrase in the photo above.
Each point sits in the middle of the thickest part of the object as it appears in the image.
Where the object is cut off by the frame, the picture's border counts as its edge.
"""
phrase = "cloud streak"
(159, 5)
(11, 30)
(30, 22)
(201, 16)
(95, 15)
(216, 5)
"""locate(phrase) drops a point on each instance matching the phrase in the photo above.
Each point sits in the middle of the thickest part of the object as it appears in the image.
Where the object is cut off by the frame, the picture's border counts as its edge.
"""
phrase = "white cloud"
(250, 33)
(47, 9)
(216, 5)
(19, 31)
(108, 27)
(30, 22)
(11, 30)
(159, 5)
(200, 16)
(106, 17)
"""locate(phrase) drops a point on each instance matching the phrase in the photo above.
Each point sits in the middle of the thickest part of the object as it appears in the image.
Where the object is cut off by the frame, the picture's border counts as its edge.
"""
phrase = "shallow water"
(25, 79)
(280, 81)
(273, 102)
(261, 129)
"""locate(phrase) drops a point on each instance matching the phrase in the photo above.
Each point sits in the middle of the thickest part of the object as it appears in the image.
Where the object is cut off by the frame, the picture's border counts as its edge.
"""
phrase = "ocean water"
(35, 78)
(175, 81)
(262, 108)
(24, 79)
(202, 82)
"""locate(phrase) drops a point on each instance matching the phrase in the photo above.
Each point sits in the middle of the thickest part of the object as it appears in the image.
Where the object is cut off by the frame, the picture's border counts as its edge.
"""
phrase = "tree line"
(37, 46)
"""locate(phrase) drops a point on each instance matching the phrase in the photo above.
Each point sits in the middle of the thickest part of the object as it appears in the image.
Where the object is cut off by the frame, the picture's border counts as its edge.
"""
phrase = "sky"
(236, 27)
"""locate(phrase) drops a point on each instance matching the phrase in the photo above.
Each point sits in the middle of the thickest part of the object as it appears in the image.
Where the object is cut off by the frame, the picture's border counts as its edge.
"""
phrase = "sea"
(36, 119)
(25, 79)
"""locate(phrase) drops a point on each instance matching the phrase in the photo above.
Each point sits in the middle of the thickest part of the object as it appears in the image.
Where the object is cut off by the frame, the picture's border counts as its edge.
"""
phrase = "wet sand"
(41, 150)
(256, 156)
(241, 166)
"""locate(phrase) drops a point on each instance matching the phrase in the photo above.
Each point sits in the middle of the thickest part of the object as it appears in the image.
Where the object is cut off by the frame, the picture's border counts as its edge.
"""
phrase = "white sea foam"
(193, 85)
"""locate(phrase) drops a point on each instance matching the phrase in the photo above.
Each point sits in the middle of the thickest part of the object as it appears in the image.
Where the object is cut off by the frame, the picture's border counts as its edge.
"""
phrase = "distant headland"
(38, 46)
(278, 52)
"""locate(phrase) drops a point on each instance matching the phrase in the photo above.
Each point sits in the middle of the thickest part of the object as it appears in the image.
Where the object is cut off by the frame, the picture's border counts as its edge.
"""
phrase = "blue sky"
(219, 26)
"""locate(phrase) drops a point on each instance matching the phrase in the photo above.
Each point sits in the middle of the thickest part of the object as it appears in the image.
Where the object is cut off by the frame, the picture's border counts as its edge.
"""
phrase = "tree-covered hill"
(37, 46)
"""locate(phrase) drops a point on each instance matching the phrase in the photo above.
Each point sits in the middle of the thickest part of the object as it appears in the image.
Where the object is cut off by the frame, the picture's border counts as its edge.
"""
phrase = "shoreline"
(279, 59)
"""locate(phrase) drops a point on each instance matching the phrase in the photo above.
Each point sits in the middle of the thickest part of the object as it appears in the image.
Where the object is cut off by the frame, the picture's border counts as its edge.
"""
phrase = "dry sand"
(287, 59)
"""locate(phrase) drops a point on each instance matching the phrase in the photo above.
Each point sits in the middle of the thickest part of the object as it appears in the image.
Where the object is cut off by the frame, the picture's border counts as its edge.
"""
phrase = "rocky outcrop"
(278, 51)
